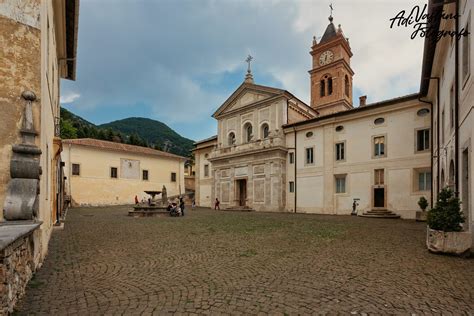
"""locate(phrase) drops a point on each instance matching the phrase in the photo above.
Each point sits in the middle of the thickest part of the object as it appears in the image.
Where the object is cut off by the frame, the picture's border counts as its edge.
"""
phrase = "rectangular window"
(451, 107)
(340, 154)
(309, 156)
(379, 177)
(206, 171)
(76, 169)
(292, 158)
(113, 172)
(145, 175)
(379, 146)
(424, 181)
(173, 176)
(466, 62)
(292, 187)
(423, 139)
(341, 184)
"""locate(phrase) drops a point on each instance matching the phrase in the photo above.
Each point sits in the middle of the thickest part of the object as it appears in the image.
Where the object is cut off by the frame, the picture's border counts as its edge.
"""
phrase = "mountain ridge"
(139, 131)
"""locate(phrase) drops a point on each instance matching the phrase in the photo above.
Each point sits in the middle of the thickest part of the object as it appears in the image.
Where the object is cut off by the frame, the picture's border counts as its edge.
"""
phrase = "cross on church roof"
(248, 76)
(330, 16)
(248, 60)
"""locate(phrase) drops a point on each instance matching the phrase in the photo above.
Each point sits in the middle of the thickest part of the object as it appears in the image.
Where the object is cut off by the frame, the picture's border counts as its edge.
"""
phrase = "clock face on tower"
(326, 57)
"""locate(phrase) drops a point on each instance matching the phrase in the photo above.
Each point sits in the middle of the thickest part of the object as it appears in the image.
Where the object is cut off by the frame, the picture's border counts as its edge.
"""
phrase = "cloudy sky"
(177, 61)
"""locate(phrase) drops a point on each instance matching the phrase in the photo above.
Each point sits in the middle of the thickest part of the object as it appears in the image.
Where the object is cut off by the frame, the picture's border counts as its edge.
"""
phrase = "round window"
(206, 155)
(423, 112)
(339, 128)
(309, 134)
(379, 121)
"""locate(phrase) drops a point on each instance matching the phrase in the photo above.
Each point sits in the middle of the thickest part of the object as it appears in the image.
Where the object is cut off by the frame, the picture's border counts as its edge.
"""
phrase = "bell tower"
(331, 76)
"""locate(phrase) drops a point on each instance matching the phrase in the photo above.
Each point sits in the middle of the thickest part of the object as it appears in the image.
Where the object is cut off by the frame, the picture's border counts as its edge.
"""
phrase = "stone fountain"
(153, 206)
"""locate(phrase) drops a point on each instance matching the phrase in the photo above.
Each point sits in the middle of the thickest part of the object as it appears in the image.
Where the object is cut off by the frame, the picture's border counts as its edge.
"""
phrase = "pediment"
(245, 95)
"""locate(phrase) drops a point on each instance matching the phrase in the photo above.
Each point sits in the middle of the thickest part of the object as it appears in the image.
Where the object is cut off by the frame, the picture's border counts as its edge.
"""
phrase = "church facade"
(273, 152)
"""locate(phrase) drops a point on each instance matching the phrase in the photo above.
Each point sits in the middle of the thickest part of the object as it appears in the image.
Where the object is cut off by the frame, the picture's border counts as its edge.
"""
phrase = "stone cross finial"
(249, 76)
(248, 60)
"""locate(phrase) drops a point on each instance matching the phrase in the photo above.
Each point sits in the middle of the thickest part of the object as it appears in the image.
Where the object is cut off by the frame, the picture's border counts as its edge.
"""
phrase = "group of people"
(176, 209)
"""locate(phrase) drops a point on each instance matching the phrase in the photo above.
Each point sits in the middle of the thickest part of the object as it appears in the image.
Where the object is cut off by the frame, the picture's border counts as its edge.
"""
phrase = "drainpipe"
(437, 135)
(294, 162)
(456, 105)
(294, 131)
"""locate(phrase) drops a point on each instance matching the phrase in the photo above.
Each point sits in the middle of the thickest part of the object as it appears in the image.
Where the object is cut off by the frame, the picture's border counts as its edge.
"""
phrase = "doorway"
(379, 197)
(379, 188)
(241, 191)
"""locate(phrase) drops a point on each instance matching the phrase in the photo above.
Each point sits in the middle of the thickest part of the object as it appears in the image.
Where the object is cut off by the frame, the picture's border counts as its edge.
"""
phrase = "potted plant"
(444, 232)
(423, 204)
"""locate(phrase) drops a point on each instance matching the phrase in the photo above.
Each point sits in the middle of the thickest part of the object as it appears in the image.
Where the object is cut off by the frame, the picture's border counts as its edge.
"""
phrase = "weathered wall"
(94, 186)
(16, 268)
(29, 60)
(20, 63)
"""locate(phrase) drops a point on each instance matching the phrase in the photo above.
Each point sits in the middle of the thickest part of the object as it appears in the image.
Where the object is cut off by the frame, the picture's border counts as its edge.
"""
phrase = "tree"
(67, 129)
(109, 134)
(446, 215)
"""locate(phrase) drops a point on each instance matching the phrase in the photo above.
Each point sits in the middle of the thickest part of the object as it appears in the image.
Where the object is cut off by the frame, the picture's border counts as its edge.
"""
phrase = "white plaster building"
(447, 84)
(323, 157)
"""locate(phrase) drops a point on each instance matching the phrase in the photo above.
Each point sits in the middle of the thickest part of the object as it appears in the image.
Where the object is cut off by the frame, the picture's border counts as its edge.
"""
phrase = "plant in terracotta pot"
(444, 226)
(423, 203)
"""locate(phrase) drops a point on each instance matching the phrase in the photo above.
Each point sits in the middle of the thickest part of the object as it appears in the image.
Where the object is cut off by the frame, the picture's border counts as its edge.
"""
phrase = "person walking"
(217, 204)
(136, 200)
(181, 205)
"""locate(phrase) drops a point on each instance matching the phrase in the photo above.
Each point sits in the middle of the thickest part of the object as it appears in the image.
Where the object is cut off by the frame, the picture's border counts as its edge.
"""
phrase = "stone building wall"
(16, 269)
(19, 62)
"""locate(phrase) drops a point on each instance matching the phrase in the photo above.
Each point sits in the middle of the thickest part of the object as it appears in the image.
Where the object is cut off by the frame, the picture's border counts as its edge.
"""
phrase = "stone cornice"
(248, 152)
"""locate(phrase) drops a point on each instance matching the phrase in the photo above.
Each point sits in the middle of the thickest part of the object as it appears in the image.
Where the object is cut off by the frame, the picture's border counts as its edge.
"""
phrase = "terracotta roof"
(103, 144)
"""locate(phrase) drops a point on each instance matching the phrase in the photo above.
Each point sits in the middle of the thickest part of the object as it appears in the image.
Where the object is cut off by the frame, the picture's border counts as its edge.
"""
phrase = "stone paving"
(216, 262)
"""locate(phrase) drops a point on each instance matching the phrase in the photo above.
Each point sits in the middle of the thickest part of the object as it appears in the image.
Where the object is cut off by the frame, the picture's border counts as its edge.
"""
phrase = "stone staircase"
(239, 209)
(380, 213)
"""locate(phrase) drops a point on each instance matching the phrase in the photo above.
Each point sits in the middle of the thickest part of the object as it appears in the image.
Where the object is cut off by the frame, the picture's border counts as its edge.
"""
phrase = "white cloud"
(181, 59)
(69, 97)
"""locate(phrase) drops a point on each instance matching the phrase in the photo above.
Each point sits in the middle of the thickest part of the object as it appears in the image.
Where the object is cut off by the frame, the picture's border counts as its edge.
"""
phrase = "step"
(392, 215)
(378, 213)
(239, 209)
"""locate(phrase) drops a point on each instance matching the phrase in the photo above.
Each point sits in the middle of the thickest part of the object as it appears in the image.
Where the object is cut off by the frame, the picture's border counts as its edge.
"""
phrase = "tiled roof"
(103, 144)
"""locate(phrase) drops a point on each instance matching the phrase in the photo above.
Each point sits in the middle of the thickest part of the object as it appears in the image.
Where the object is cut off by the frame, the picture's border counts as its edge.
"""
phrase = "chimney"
(362, 100)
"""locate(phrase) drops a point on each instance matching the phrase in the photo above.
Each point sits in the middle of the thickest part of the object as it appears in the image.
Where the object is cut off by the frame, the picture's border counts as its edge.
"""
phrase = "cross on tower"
(330, 6)
(248, 60)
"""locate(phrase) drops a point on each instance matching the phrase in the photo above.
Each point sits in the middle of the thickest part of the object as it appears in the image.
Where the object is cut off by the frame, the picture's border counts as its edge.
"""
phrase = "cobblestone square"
(216, 262)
